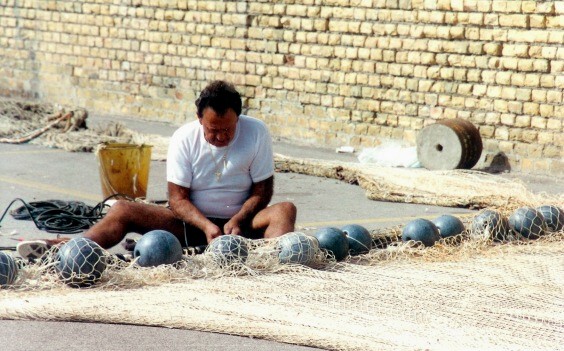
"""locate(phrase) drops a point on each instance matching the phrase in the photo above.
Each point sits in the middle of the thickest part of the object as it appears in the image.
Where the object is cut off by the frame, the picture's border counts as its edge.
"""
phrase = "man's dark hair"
(220, 96)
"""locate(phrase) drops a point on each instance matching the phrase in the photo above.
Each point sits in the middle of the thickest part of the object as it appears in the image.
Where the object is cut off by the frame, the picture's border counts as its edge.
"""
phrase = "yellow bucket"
(124, 169)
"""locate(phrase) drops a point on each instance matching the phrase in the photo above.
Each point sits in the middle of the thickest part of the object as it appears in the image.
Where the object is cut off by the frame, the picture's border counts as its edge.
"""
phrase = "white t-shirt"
(190, 163)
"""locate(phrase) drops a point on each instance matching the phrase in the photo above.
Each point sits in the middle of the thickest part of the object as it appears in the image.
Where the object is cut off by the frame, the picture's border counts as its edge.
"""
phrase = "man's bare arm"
(261, 194)
(184, 209)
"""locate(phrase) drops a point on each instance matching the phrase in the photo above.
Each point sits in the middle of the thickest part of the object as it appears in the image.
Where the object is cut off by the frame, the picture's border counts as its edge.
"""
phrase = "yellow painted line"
(50, 188)
(28, 152)
(375, 220)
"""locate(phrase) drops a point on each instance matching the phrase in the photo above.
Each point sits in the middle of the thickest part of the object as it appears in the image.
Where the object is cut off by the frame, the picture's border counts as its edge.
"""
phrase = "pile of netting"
(58, 126)
(452, 188)
(465, 292)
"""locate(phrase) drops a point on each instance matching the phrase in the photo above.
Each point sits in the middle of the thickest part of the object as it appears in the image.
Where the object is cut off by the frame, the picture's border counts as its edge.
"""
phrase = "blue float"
(490, 225)
(157, 247)
(80, 262)
(8, 269)
(528, 223)
(554, 217)
(360, 241)
(229, 249)
(421, 230)
(334, 241)
(297, 248)
(449, 225)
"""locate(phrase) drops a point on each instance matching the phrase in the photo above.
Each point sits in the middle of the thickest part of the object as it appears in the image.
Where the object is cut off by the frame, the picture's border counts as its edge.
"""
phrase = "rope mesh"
(461, 292)
(57, 126)
(489, 288)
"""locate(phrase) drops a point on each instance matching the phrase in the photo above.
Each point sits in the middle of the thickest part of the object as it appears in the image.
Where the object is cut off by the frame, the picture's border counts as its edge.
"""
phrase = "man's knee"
(285, 211)
(129, 212)
(120, 208)
(289, 209)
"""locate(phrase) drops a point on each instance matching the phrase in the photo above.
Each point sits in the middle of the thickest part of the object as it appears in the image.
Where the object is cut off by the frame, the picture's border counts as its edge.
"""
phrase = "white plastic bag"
(391, 154)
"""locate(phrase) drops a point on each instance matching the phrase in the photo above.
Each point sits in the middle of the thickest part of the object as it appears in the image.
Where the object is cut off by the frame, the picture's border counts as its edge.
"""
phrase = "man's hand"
(212, 231)
(261, 193)
(183, 209)
(232, 227)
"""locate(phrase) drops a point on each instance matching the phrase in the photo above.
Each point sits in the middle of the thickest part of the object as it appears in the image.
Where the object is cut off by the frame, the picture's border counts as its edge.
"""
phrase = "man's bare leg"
(276, 220)
(133, 217)
(129, 217)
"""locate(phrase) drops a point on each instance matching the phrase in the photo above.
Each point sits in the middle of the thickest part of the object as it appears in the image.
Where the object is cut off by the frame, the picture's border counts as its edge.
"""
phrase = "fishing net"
(453, 188)
(554, 217)
(63, 127)
(22, 122)
(493, 287)
(8, 269)
(297, 248)
(461, 293)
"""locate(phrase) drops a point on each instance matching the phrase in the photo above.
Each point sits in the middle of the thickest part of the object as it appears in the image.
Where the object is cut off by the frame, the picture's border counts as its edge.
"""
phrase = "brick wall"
(334, 72)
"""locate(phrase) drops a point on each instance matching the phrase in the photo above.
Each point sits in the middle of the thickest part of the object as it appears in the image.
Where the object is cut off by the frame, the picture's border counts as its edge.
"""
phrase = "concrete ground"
(35, 173)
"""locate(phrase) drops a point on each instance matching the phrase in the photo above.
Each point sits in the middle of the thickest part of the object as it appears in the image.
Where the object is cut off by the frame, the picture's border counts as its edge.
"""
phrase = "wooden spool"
(449, 144)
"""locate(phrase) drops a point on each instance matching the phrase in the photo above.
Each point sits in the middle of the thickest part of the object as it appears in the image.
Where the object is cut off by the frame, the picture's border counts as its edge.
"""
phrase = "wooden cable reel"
(449, 144)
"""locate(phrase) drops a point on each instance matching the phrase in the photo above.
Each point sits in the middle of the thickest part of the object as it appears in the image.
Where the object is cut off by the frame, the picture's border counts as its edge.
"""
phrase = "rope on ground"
(38, 132)
(57, 216)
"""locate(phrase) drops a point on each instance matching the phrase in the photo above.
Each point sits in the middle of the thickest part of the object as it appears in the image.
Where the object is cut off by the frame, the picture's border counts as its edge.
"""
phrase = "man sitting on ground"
(220, 174)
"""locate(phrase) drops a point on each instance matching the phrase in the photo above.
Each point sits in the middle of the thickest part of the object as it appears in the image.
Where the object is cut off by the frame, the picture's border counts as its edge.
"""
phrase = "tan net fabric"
(63, 127)
(455, 295)
(22, 122)
(456, 188)
(465, 292)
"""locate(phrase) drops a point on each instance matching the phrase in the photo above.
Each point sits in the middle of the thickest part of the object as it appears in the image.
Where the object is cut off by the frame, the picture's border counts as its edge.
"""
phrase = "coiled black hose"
(57, 216)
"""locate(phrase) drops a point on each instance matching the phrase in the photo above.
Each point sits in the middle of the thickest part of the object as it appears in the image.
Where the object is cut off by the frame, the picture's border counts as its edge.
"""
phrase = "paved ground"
(36, 173)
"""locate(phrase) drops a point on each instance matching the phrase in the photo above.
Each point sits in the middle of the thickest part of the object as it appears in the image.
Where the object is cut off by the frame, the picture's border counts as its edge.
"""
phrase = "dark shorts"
(194, 237)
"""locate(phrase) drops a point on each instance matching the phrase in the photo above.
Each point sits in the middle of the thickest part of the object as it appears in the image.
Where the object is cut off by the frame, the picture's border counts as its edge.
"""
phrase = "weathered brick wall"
(334, 72)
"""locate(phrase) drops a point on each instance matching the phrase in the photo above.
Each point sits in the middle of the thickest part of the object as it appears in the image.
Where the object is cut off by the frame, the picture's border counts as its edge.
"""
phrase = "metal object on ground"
(491, 225)
(8, 269)
(528, 223)
(553, 216)
(449, 144)
(227, 250)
